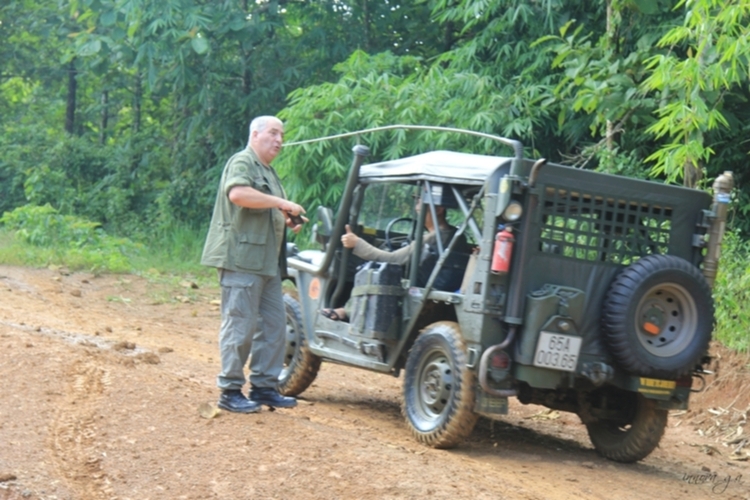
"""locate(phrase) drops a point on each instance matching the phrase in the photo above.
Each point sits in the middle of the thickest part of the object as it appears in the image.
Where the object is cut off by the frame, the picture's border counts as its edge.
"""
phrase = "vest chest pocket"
(251, 245)
(251, 250)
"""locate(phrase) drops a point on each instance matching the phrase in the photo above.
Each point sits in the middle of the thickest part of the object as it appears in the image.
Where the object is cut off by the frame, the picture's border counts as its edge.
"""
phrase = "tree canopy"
(125, 111)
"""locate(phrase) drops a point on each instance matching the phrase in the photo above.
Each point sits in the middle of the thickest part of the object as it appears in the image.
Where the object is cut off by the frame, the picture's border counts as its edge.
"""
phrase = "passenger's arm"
(366, 251)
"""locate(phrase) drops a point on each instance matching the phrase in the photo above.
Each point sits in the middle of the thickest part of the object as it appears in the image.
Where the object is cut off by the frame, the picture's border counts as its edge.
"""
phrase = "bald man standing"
(246, 243)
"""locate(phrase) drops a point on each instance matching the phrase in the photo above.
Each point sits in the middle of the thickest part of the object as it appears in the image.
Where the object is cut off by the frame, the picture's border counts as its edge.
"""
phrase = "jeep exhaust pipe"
(722, 187)
(484, 360)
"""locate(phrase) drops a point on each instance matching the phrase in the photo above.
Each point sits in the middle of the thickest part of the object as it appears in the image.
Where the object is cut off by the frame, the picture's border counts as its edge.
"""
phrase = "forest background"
(117, 116)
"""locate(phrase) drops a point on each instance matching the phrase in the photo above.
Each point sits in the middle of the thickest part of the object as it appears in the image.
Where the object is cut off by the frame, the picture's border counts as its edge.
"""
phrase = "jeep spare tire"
(658, 317)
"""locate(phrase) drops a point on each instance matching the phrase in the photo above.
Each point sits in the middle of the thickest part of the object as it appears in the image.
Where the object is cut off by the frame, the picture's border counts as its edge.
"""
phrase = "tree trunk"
(366, 23)
(70, 111)
(137, 98)
(245, 59)
(105, 118)
(247, 76)
(693, 173)
(448, 38)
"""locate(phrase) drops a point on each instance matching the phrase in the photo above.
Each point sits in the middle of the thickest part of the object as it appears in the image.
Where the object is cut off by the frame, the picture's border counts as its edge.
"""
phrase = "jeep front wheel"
(300, 365)
(439, 387)
(631, 435)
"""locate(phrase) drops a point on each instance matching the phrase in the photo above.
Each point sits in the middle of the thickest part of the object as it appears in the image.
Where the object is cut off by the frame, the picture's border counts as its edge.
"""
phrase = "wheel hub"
(436, 386)
(666, 319)
(291, 344)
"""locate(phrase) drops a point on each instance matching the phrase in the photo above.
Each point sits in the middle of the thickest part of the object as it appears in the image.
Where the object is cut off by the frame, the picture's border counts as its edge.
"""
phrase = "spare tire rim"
(666, 320)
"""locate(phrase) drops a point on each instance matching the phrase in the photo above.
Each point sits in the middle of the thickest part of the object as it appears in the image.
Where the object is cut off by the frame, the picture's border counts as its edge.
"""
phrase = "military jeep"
(604, 308)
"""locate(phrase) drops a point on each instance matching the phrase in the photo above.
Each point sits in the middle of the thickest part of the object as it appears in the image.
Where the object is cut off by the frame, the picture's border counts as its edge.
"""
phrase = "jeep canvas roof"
(437, 166)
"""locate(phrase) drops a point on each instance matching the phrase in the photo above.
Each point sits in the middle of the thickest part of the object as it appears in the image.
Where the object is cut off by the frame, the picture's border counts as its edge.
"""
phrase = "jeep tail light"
(500, 360)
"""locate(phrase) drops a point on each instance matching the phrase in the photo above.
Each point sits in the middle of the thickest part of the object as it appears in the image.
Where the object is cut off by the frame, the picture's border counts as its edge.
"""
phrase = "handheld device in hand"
(296, 219)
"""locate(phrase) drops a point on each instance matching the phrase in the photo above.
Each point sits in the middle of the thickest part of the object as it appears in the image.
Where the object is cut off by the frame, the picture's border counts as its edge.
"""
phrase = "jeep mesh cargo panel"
(606, 229)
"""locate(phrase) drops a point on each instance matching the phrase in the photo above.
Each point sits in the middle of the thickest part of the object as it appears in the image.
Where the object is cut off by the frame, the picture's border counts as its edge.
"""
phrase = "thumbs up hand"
(349, 239)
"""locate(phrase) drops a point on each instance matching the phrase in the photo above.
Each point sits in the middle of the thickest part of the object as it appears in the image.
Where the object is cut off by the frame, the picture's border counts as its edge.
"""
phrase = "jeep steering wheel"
(399, 241)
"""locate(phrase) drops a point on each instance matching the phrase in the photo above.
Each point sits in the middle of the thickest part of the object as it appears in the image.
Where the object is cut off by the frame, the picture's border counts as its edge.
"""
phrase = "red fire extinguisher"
(503, 250)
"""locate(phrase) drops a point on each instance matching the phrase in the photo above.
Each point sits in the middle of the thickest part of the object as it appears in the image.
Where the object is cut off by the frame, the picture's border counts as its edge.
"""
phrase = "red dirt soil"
(108, 392)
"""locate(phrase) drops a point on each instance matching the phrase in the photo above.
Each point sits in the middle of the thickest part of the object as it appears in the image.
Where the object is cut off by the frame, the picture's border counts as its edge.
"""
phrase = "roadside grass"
(41, 237)
(172, 257)
(14, 250)
(176, 250)
(732, 294)
(169, 260)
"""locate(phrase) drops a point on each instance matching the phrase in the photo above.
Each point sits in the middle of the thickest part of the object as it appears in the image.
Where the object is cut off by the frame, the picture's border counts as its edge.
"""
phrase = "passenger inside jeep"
(450, 276)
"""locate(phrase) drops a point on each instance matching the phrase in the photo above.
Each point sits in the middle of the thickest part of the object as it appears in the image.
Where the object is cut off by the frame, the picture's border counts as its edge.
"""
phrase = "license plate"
(558, 352)
(657, 387)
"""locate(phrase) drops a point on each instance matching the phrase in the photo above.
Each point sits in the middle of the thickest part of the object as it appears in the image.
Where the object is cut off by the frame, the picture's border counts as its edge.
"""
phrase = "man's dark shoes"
(270, 397)
(234, 400)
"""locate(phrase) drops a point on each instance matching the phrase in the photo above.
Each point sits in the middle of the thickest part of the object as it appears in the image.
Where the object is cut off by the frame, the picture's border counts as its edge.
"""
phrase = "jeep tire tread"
(439, 388)
(300, 365)
(632, 437)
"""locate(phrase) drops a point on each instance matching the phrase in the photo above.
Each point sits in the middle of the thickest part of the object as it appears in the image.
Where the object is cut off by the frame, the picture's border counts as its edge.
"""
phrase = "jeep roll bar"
(360, 153)
(516, 145)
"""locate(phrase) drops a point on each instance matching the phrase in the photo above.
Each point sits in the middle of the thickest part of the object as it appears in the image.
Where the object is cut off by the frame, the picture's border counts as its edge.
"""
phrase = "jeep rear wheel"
(439, 388)
(658, 317)
(633, 434)
(300, 365)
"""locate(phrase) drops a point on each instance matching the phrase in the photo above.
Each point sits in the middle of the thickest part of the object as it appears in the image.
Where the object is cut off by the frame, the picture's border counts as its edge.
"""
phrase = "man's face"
(428, 216)
(267, 142)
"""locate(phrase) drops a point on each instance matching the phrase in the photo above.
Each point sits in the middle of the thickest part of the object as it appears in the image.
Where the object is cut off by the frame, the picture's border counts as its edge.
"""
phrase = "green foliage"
(115, 184)
(597, 93)
(38, 236)
(595, 80)
(18, 147)
(316, 173)
(164, 91)
(68, 240)
(706, 60)
(619, 162)
(386, 89)
(732, 294)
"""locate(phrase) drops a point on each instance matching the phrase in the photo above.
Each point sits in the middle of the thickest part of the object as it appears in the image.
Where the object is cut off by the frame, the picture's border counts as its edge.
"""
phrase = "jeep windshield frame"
(429, 187)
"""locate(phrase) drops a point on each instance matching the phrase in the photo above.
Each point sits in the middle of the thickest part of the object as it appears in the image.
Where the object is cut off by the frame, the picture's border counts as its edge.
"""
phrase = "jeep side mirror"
(324, 226)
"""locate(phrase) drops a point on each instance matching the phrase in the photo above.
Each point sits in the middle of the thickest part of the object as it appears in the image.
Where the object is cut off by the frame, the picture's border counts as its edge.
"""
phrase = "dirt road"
(105, 383)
